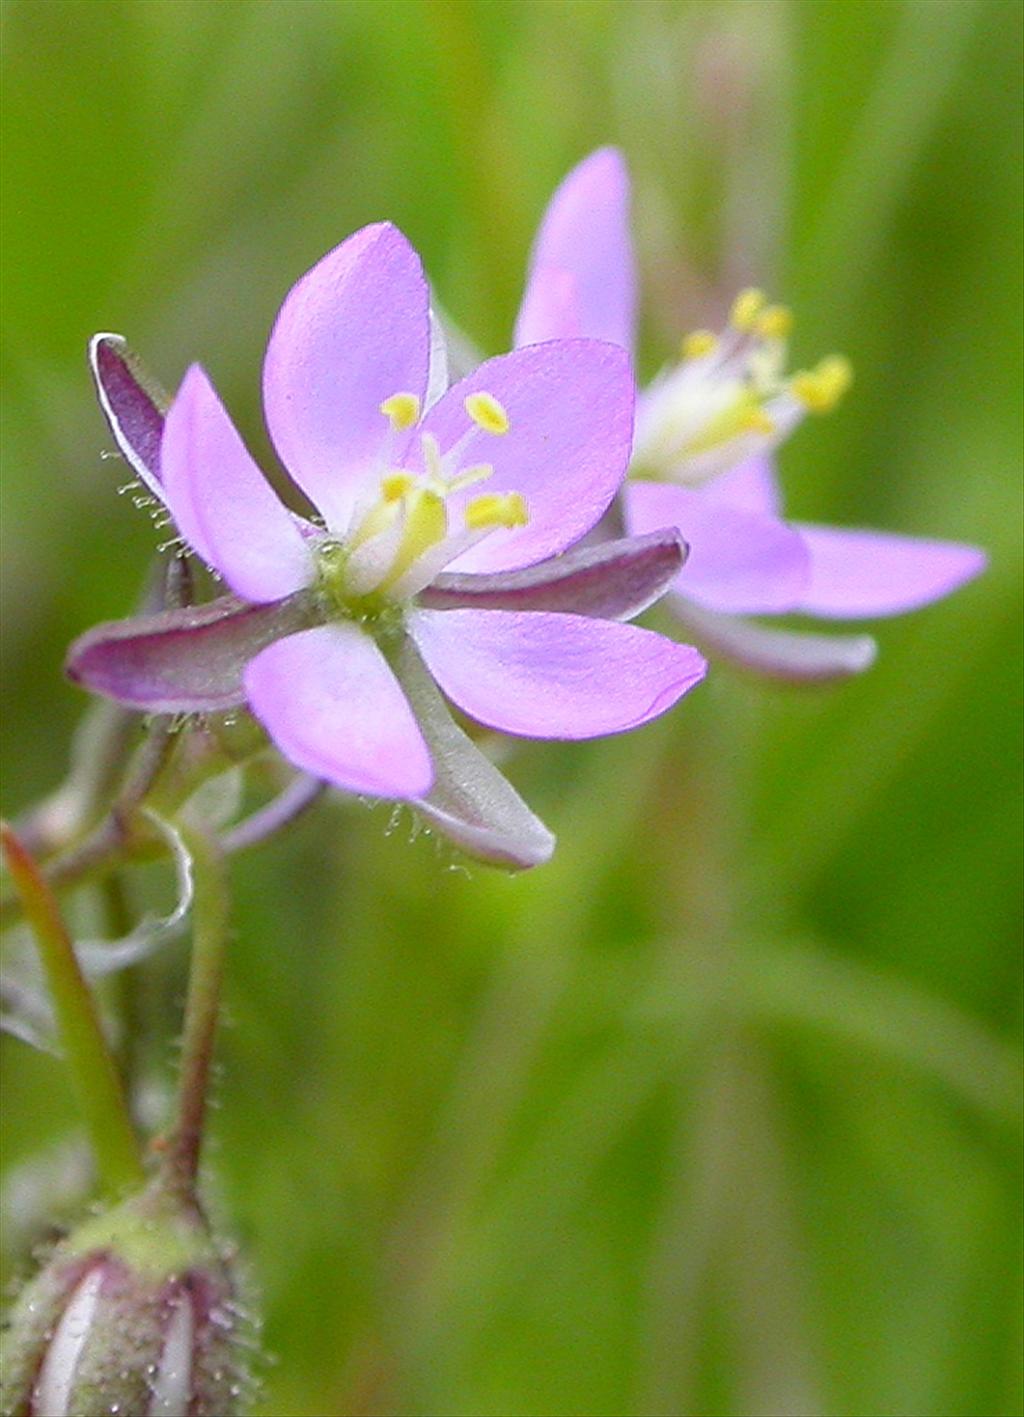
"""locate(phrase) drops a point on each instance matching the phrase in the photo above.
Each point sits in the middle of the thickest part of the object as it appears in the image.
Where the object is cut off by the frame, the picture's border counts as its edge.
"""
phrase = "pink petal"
(739, 561)
(751, 486)
(614, 580)
(581, 279)
(132, 404)
(352, 332)
(224, 507)
(543, 675)
(189, 660)
(330, 702)
(792, 655)
(868, 573)
(470, 803)
(570, 406)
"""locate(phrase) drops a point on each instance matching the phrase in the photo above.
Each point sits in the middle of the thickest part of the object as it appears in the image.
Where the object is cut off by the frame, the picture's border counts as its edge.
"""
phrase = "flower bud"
(135, 1314)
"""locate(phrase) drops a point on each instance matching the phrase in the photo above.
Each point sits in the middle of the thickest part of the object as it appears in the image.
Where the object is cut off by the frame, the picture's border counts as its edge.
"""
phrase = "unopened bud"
(136, 1314)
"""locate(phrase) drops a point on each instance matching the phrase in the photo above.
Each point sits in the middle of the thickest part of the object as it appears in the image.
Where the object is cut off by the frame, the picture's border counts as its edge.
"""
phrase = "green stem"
(93, 1071)
(202, 1008)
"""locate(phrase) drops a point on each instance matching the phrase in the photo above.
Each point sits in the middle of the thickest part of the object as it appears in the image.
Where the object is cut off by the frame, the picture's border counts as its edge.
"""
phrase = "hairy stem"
(202, 1007)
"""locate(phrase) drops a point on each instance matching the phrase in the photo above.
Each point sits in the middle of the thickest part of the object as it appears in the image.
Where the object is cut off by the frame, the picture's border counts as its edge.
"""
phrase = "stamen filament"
(472, 475)
(432, 460)
(744, 415)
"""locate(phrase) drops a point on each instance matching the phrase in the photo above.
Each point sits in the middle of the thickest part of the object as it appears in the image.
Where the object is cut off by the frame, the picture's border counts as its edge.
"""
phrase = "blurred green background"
(718, 1113)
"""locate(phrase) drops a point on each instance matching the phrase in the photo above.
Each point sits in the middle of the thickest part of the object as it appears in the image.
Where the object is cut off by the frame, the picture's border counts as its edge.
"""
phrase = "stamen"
(378, 518)
(745, 414)
(698, 343)
(757, 421)
(746, 308)
(836, 372)
(396, 485)
(487, 413)
(496, 509)
(403, 410)
(432, 458)
(774, 323)
(470, 477)
(821, 389)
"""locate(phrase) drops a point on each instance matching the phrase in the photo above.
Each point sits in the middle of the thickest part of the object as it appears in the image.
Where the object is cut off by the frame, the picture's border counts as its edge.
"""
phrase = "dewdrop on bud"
(136, 1314)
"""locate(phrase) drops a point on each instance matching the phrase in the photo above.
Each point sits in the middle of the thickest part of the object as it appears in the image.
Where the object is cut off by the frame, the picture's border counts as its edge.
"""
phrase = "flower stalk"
(202, 1008)
(93, 1070)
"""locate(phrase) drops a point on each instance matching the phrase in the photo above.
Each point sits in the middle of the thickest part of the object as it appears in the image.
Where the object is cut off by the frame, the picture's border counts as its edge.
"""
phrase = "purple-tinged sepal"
(133, 405)
(613, 580)
(798, 656)
(136, 1312)
(189, 660)
(470, 802)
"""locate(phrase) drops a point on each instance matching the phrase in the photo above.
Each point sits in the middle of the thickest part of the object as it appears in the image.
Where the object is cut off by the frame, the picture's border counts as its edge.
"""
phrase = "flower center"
(399, 539)
(730, 396)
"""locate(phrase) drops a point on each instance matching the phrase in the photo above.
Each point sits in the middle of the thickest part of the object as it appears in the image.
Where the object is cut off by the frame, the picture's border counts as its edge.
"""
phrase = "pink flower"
(701, 462)
(439, 554)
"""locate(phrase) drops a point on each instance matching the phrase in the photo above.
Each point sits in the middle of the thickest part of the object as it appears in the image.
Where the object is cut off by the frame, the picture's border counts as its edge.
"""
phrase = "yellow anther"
(396, 485)
(496, 509)
(812, 394)
(698, 343)
(402, 409)
(821, 389)
(836, 372)
(757, 421)
(487, 413)
(774, 323)
(746, 308)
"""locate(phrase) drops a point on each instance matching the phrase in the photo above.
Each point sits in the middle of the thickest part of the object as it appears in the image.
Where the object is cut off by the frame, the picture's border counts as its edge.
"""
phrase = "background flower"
(706, 430)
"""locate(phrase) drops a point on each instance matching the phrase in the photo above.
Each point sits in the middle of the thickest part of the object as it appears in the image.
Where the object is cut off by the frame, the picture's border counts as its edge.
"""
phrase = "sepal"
(133, 405)
(189, 660)
(797, 656)
(613, 580)
(136, 1312)
(470, 803)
